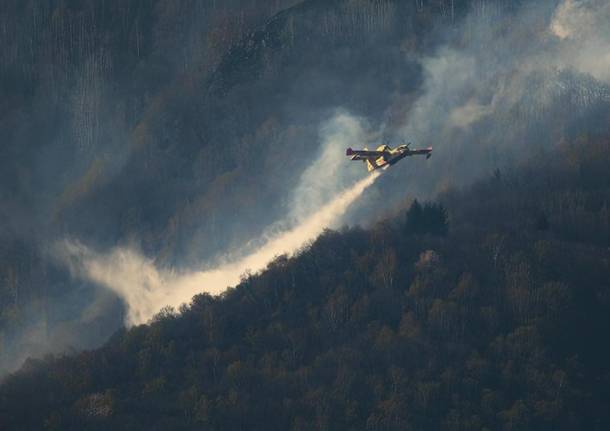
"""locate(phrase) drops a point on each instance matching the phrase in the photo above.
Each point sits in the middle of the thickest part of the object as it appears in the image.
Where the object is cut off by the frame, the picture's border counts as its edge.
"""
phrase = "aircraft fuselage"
(385, 156)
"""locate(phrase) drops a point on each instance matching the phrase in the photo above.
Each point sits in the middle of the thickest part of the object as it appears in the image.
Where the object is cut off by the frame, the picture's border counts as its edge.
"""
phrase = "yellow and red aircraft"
(385, 156)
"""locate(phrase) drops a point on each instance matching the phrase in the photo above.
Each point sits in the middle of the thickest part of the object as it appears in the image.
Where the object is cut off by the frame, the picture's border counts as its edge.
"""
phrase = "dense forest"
(466, 292)
(158, 122)
(487, 309)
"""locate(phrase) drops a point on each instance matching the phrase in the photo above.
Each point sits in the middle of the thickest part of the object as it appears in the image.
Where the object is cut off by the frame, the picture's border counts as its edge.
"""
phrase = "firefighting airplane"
(385, 156)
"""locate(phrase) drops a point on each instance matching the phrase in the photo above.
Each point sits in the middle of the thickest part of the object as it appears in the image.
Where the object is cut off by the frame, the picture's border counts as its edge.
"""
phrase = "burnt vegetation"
(485, 310)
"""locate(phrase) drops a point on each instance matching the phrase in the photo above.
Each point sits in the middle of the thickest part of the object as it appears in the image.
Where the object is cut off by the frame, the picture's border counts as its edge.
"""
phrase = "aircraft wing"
(422, 151)
(363, 154)
(426, 151)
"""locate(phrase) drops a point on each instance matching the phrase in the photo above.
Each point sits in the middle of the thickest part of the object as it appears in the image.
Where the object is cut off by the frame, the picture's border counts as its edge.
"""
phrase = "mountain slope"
(180, 127)
(496, 324)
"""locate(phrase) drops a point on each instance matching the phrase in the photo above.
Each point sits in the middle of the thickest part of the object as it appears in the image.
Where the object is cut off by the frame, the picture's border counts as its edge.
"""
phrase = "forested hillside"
(178, 126)
(190, 131)
(485, 310)
(83, 82)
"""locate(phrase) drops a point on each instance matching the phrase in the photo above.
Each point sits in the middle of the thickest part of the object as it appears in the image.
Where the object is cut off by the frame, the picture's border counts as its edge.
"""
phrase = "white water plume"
(146, 289)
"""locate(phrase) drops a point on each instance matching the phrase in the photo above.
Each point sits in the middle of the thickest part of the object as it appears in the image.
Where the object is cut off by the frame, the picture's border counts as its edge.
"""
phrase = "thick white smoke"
(330, 172)
(487, 89)
(490, 70)
(583, 28)
(488, 74)
(146, 289)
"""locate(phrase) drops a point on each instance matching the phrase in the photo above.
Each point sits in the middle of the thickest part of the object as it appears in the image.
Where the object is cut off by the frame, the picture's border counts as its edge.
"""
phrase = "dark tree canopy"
(430, 218)
(493, 324)
(178, 123)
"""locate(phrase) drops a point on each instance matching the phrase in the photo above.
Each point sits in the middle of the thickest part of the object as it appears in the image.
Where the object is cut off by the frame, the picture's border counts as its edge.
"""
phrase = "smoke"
(500, 85)
(582, 27)
(507, 83)
(450, 97)
(146, 289)
(329, 173)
